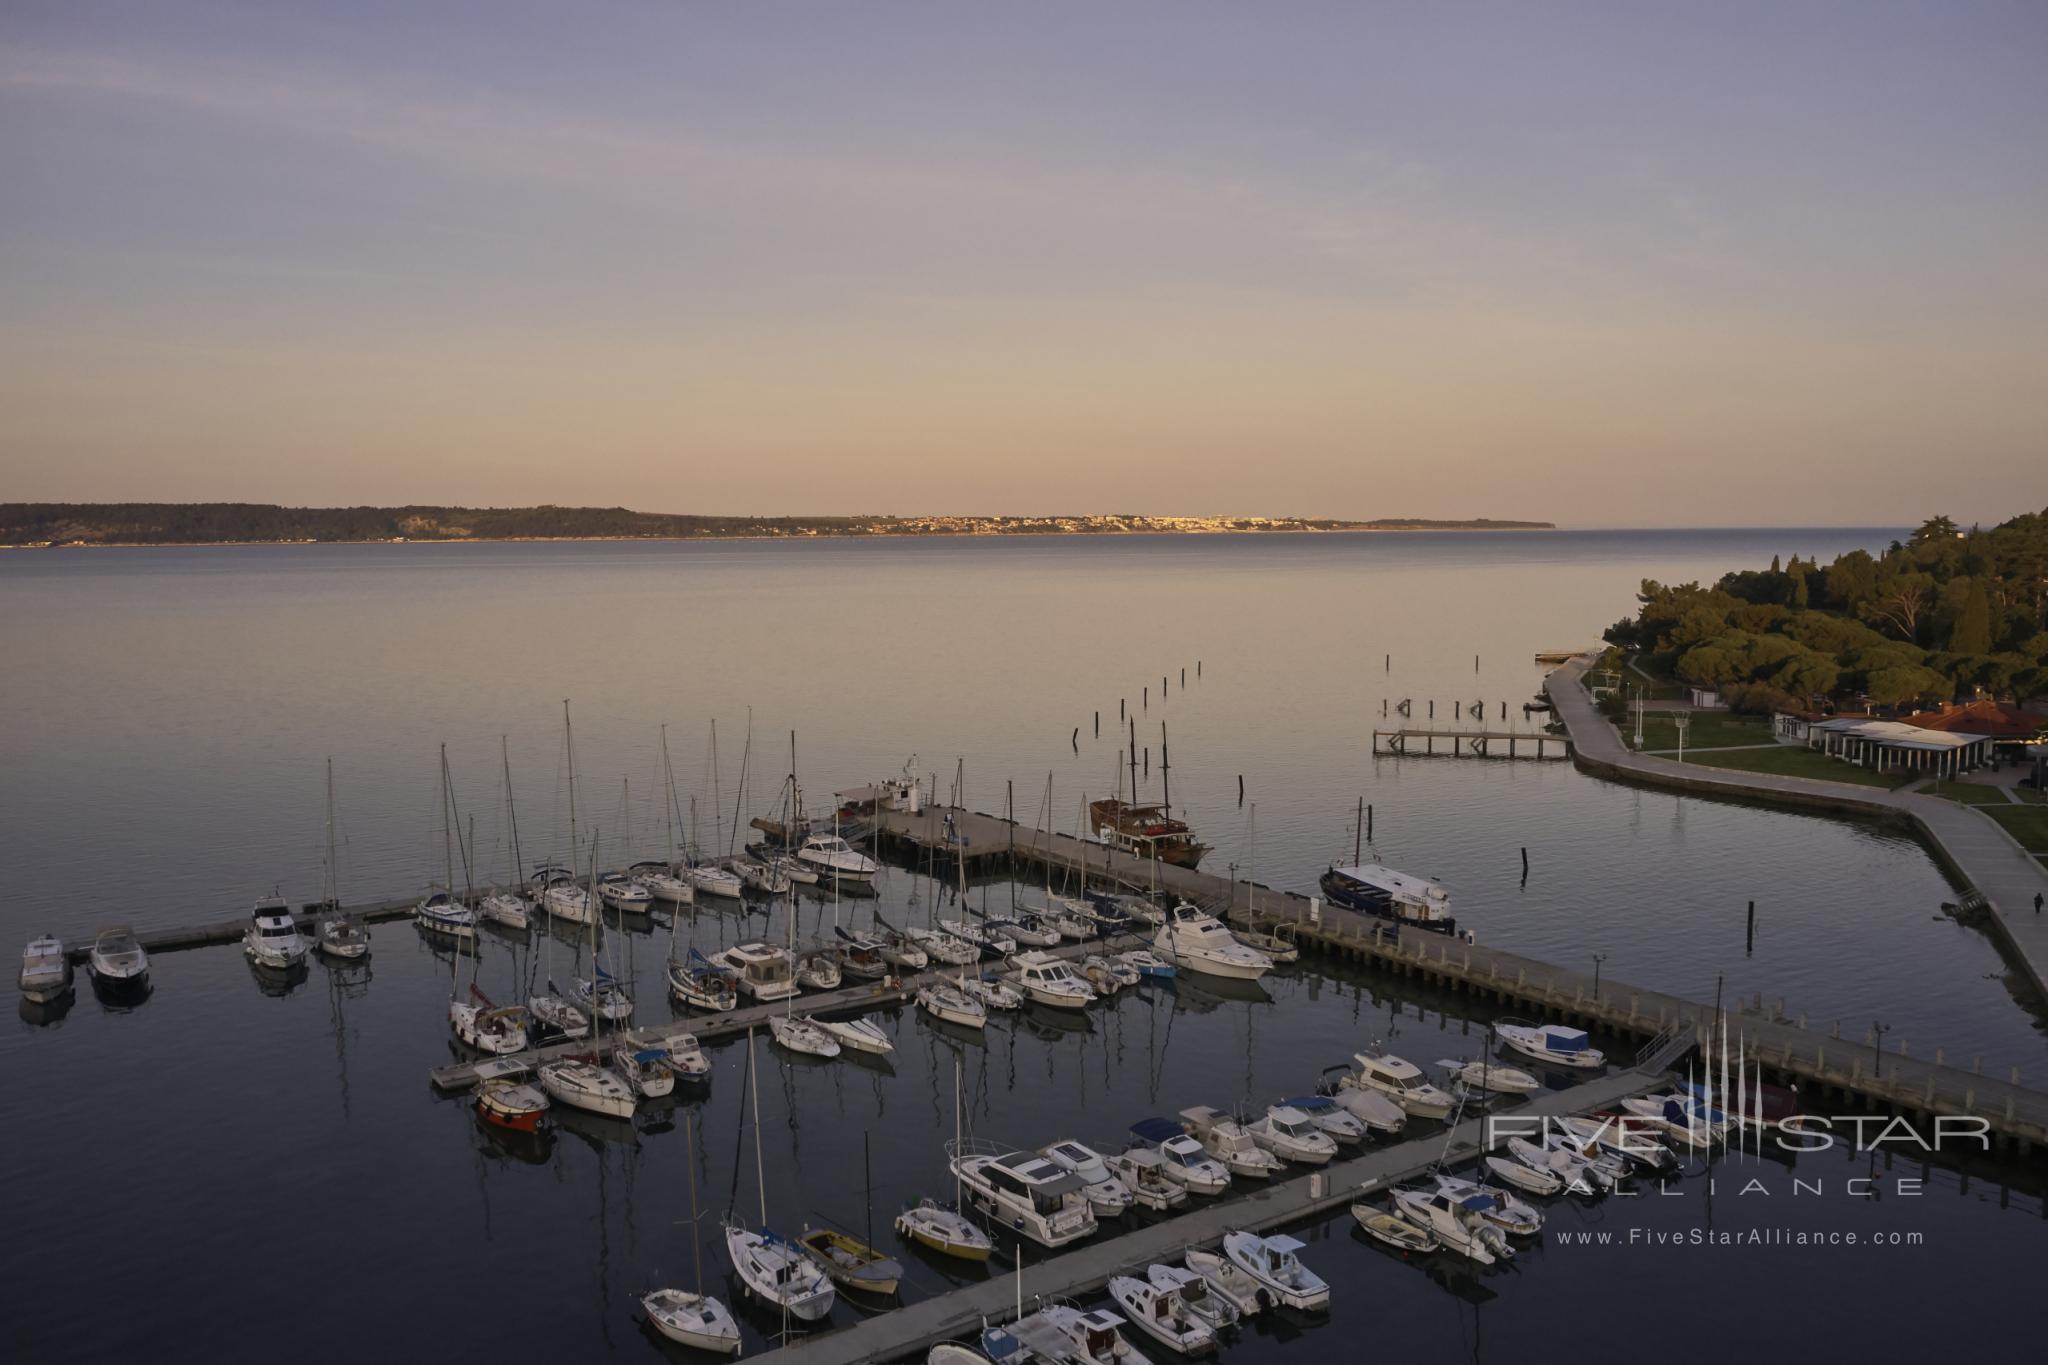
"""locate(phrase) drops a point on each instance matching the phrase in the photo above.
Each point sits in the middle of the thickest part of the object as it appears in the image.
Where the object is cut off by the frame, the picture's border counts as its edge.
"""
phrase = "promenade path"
(1975, 848)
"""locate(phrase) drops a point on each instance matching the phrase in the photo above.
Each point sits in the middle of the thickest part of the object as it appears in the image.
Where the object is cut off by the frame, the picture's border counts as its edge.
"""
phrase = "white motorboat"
(943, 1000)
(1162, 1315)
(931, 1224)
(709, 879)
(777, 1272)
(818, 971)
(1511, 1215)
(943, 947)
(760, 971)
(1404, 1083)
(583, 1085)
(679, 1047)
(792, 870)
(832, 856)
(1196, 941)
(702, 984)
(1197, 1299)
(1109, 972)
(1028, 930)
(1377, 1112)
(758, 876)
(1288, 1133)
(45, 970)
(1143, 1173)
(1275, 1264)
(1106, 1194)
(602, 996)
(1227, 1282)
(1025, 1192)
(1458, 1223)
(860, 1035)
(984, 937)
(993, 995)
(1333, 1118)
(1224, 1138)
(1183, 1157)
(646, 1070)
(441, 913)
(1561, 1156)
(550, 1016)
(487, 1028)
(117, 962)
(623, 894)
(662, 883)
(1046, 980)
(695, 1320)
(503, 907)
(800, 1034)
(1516, 1170)
(273, 939)
(1633, 1141)
(1078, 1337)
(1553, 1044)
(1486, 1074)
(343, 937)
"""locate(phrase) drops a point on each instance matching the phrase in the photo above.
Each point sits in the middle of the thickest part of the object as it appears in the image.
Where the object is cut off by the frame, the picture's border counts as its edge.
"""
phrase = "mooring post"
(1240, 791)
(1098, 725)
(1749, 938)
(1183, 679)
(1525, 864)
(1077, 739)
(1432, 708)
(1368, 823)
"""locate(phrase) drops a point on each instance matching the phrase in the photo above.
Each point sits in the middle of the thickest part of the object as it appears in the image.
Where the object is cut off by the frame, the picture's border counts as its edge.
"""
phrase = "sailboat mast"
(754, 1094)
(1165, 784)
(511, 814)
(596, 997)
(668, 801)
(1132, 755)
(696, 1247)
(569, 738)
(331, 892)
(448, 821)
(1358, 836)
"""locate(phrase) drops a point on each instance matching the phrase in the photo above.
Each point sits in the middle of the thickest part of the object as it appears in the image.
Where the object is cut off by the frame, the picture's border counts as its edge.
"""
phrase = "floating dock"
(913, 1328)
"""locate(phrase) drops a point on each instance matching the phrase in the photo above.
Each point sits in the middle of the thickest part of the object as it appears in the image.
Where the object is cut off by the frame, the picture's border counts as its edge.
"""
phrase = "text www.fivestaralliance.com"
(1736, 1237)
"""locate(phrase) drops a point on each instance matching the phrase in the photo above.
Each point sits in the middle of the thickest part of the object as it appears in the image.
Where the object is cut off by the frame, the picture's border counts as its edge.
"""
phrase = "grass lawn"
(1788, 760)
(1709, 730)
(2031, 796)
(2028, 824)
(1970, 794)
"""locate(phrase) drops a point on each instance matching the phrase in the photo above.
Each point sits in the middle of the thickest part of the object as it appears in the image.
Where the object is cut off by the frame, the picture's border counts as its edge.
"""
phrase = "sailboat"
(846, 1259)
(506, 906)
(622, 891)
(705, 873)
(801, 1034)
(660, 879)
(584, 1084)
(693, 1319)
(478, 1023)
(559, 893)
(940, 1227)
(440, 912)
(340, 936)
(772, 1268)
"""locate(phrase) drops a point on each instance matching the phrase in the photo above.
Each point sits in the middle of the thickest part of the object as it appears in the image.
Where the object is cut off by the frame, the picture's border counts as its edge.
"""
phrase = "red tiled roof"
(1992, 718)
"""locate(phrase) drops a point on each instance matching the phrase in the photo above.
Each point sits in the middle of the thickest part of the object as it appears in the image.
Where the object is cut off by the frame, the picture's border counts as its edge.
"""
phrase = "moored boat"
(45, 970)
(1146, 832)
(1275, 1264)
(1552, 1044)
(850, 1262)
(1376, 889)
(117, 963)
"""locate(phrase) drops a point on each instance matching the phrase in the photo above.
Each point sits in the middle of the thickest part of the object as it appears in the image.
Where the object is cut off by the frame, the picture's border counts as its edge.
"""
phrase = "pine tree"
(1972, 633)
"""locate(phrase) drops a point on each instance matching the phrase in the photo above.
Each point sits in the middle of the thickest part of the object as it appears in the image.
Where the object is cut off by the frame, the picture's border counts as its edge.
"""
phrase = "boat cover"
(1559, 1039)
(1158, 1129)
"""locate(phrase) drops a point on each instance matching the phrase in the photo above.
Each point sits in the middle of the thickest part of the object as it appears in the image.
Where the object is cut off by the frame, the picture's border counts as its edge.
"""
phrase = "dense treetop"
(1946, 613)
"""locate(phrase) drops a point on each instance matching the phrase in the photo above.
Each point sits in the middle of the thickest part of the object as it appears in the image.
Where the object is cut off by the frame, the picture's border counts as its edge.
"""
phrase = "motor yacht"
(1274, 1263)
(272, 938)
(761, 971)
(832, 856)
(1288, 1133)
(1227, 1140)
(1025, 1192)
(1106, 1194)
(117, 963)
(1196, 941)
(1404, 1083)
(1552, 1044)
(1046, 980)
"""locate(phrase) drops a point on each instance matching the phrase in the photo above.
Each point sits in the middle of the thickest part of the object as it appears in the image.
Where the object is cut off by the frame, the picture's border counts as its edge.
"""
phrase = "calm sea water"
(248, 1166)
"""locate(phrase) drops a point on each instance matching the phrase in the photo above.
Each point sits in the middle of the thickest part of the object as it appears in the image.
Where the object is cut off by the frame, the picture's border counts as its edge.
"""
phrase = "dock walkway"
(1848, 1066)
(1973, 845)
(1085, 1269)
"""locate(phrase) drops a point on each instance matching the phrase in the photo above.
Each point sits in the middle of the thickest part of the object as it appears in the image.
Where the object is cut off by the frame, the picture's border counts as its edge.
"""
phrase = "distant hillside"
(219, 523)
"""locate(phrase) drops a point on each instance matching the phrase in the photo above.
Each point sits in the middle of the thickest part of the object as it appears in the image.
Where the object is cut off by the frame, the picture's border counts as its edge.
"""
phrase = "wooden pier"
(1410, 743)
(1820, 1060)
(910, 1330)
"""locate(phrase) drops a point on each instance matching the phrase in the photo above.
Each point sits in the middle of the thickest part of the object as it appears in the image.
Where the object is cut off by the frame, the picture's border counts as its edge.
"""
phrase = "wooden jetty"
(1410, 742)
(1252, 1206)
(230, 931)
(1821, 1061)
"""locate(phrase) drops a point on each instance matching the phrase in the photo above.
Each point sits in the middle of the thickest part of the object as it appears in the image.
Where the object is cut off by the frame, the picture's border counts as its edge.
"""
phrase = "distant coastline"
(88, 525)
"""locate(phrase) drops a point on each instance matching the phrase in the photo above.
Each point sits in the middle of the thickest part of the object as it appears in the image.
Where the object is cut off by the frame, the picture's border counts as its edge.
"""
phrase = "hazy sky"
(1603, 264)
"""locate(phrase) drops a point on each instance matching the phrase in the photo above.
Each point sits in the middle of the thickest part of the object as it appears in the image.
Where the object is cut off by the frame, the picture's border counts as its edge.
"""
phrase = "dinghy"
(850, 1262)
(1394, 1230)
(933, 1225)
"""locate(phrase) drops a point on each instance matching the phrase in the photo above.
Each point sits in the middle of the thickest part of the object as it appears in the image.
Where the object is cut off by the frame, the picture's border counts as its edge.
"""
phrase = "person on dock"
(2037, 902)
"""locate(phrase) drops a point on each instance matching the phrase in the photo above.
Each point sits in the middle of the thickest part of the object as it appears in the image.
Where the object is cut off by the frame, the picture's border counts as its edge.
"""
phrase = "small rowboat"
(1272, 945)
(515, 1105)
(851, 1262)
(1394, 1230)
(941, 1229)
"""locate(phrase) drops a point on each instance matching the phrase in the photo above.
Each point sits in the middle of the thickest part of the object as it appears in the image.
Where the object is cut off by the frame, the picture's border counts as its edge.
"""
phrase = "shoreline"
(820, 535)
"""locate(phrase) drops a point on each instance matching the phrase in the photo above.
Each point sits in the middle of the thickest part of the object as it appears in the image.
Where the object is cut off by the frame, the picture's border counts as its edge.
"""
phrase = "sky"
(1616, 264)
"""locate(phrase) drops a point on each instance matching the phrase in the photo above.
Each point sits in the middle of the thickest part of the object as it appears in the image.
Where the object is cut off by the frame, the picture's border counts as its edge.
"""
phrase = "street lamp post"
(1598, 958)
(1877, 1033)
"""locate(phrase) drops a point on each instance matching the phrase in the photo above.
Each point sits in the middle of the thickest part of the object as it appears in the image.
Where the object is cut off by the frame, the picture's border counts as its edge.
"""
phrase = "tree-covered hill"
(1948, 612)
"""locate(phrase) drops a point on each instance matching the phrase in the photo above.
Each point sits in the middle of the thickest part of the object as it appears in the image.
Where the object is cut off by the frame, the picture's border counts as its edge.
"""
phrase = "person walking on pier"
(2037, 902)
